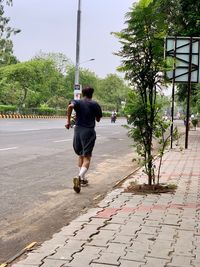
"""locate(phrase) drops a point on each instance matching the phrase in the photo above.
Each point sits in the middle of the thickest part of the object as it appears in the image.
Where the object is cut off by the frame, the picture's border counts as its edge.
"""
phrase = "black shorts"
(84, 140)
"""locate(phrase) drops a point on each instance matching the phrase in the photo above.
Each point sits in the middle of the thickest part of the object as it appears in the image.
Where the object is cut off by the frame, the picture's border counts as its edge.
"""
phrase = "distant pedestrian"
(87, 112)
(185, 121)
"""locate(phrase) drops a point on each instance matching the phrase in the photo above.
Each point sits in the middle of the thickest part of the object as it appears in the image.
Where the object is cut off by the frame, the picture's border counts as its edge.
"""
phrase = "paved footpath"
(130, 230)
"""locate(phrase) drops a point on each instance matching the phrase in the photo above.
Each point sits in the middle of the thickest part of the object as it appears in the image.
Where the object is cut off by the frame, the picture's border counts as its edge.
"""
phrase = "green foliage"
(106, 113)
(4, 109)
(185, 19)
(61, 61)
(43, 110)
(138, 115)
(198, 99)
(86, 78)
(109, 92)
(195, 122)
(6, 45)
(39, 81)
(113, 90)
(142, 60)
(30, 83)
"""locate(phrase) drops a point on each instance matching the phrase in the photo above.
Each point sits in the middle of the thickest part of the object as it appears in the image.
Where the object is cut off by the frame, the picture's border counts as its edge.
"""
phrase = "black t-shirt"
(87, 110)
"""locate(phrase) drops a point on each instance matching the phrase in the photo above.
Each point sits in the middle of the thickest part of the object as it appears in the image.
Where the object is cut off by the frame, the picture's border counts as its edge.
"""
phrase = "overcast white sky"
(50, 26)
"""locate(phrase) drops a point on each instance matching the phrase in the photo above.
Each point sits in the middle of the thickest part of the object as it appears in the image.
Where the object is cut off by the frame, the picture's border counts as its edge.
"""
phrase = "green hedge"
(106, 113)
(32, 111)
(4, 109)
(43, 111)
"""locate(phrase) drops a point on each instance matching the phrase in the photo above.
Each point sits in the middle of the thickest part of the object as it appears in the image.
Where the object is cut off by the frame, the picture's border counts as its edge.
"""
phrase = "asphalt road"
(37, 164)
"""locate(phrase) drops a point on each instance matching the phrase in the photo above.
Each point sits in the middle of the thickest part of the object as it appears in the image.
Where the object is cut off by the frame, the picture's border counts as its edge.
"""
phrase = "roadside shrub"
(106, 113)
(43, 111)
(195, 122)
(7, 109)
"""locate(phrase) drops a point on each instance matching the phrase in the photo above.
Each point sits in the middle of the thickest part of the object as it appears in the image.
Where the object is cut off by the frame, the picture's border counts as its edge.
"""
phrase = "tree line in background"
(47, 80)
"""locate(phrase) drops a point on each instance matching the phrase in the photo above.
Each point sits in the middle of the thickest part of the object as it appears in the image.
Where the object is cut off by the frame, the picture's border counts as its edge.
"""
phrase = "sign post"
(186, 69)
(77, 91)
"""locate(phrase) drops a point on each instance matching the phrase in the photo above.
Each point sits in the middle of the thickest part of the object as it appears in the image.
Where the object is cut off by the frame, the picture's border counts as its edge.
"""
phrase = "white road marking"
(8, 148)
(32, 129)
(64, 140)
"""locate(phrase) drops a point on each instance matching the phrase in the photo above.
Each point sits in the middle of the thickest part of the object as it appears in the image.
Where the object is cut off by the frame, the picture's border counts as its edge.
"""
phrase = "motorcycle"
(113, 118)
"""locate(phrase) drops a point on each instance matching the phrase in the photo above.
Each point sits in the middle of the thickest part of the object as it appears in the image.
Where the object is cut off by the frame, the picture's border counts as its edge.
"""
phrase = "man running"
(87, 112)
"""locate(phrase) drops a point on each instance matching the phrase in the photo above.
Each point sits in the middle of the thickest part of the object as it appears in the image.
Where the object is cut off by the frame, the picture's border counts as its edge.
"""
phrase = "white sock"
(82, 172)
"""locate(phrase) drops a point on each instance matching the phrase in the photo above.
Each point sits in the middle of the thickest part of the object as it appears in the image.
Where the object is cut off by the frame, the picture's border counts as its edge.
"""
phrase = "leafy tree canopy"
(112, 89)
(6, 45)
(61, 61)
(31, 82)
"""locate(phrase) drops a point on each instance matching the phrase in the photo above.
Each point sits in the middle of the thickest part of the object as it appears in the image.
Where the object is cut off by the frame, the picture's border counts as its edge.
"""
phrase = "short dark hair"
(88, 91)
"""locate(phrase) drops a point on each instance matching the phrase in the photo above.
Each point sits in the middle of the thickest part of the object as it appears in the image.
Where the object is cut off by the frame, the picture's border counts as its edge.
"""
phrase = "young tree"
(6, 45)
(142, 60)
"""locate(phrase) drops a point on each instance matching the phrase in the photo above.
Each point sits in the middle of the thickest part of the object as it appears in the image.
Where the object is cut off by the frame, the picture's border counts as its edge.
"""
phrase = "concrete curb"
(18, 116)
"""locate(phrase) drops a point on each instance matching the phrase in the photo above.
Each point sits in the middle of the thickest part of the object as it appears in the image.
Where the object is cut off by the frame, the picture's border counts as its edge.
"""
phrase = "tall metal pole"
(173, 89)
(172, 112)
(188, 96)
(76, 81)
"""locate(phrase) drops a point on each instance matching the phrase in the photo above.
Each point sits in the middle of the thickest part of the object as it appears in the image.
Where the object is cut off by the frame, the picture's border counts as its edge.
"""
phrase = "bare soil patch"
(150, 189)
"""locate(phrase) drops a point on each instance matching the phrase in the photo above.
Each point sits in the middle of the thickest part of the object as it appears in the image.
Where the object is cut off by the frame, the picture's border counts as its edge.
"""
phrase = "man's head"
(88, 92)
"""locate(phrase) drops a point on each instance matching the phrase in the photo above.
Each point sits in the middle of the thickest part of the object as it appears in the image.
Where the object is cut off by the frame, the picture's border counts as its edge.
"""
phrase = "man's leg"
(80, 162)
(84, 167)
(86, 161)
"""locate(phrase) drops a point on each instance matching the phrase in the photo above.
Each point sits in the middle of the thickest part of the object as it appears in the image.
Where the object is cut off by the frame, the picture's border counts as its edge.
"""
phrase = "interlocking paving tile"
(161, 253)
(34, 259)
(116, 248)
(87, 216)
(128, 263)
(155, 262)
(112, 227)
(102, 238)
(135, 230)
(66, 252)
(102, 265)
(53, 263)
(123, 239)
(180, 261)
(108, 258)
(140, 246)
(138, 256)
(85, 257)
(87, 231)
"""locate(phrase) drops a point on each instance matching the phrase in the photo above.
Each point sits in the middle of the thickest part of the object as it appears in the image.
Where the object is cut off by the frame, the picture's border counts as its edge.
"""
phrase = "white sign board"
(77, 91)
(186, 53)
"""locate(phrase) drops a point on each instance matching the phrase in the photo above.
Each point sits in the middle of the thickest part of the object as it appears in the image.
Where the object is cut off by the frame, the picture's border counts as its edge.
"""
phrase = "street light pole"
(77, 89)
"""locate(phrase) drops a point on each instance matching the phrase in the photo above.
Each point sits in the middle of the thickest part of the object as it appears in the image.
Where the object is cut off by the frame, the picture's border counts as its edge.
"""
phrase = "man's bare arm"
(69, 113)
